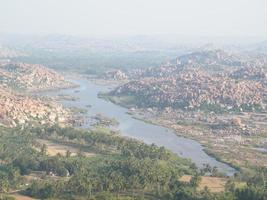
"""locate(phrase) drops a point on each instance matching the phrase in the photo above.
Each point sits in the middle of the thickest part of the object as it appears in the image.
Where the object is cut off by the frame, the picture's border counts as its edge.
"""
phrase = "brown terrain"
(29, 77)
(193, 89)
(214, 184)
(17, 107)
(54, 149)
(212, 96)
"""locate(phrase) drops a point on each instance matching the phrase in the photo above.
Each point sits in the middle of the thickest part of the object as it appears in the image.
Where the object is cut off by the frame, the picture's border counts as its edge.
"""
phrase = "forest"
(120, 168)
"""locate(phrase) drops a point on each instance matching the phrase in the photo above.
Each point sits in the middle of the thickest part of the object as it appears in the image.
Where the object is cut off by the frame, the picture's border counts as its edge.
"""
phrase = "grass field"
(214, 184)
(55, 148)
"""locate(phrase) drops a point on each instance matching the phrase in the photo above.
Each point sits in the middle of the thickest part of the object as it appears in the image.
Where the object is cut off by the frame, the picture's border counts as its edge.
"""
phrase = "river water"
(87, 95)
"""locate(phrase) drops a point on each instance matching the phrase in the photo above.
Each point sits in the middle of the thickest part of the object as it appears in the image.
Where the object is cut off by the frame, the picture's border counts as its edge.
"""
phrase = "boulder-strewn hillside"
(19, 109)
(30, 77)
(189, 83)
(253, 73)
(195, 89)
(210, 57)
(208, 60)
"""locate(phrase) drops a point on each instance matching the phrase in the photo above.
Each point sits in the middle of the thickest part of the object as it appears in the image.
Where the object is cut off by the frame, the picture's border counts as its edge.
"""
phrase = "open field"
(214, 184)
(21, 197)
(55, 149)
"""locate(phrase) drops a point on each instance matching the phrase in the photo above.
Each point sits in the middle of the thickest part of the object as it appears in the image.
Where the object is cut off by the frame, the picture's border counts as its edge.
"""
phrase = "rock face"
(19, 109)
(193, 89)
(206, 60)
(115, 75)
(210, 57)
(251, 73)
(188, 85)
(16, 108)
(29, 77)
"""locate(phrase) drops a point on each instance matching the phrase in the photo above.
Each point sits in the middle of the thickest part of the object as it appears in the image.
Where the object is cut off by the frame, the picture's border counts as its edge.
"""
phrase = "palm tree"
(68, 153)
(43, 150)
(195, 180)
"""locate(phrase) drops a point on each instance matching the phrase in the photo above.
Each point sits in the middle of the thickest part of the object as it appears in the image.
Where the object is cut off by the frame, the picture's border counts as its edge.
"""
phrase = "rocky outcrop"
(17, 109)
(29, 77)
(210, 57)
(194, 89)
(207, 79)
(115, 75)
(252, 73)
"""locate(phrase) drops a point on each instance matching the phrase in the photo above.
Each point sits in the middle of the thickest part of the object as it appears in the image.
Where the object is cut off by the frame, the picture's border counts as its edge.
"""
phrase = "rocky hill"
(115, 75)
(189, 84)
(20, 109)
(16, 107)
(210, 57)
(29, 77)
(209, 60)
(195, 89)
(252, 73)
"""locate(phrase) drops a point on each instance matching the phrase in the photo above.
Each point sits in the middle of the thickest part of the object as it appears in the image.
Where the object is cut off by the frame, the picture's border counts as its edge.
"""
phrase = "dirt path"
(21, 197)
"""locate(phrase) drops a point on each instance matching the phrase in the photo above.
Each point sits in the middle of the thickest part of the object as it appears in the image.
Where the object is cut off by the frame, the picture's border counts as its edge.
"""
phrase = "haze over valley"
(133, 100)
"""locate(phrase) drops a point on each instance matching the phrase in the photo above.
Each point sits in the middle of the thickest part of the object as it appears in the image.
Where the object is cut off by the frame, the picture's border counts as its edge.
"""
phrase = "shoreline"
(139, 118)
(204, 147)
(54, 89)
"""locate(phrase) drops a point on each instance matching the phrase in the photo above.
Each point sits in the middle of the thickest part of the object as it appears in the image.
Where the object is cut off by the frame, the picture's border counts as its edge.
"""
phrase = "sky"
(135, 17)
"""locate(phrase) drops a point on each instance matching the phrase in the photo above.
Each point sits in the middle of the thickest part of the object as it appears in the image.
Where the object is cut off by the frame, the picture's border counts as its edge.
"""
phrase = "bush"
(42, 190)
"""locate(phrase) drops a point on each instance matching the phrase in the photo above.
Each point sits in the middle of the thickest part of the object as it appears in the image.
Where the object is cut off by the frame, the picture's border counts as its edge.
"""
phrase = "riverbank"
(139, 115)
(135, 128)
(234, 150)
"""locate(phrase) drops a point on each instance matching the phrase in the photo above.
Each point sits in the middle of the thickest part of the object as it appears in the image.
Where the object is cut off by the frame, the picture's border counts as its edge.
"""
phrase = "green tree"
(68, 153)
(44, 150)
(251, 193)
(195, 180)
(229, 186)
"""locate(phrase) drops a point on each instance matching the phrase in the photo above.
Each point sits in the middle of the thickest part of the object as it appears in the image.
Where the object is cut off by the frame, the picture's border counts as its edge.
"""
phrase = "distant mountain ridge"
(210, 57)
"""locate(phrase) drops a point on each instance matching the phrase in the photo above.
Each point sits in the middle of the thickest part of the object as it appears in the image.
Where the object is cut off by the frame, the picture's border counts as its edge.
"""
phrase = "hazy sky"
(130, 17)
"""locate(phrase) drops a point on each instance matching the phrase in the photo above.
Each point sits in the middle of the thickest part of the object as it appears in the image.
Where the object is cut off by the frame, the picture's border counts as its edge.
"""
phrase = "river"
(87, 95)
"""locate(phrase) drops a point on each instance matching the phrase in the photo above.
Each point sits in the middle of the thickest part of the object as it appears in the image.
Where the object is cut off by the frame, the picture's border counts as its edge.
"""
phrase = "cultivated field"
(56, 148)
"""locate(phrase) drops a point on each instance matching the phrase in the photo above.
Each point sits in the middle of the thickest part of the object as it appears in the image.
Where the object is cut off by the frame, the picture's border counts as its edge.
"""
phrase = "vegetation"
(121, 168)
(88, 62)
